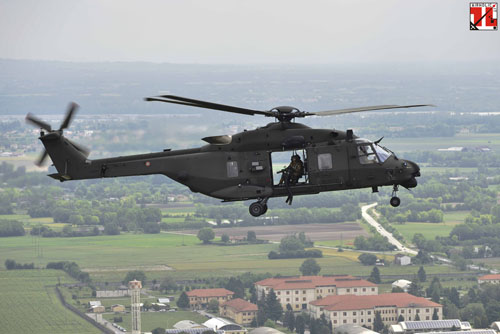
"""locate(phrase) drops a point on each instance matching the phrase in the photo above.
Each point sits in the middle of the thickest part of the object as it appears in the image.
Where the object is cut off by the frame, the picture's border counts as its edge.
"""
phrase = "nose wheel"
(395, 201)
(258, 208)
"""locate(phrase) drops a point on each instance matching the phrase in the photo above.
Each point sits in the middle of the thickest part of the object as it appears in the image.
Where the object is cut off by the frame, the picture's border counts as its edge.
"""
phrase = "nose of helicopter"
(412, 171)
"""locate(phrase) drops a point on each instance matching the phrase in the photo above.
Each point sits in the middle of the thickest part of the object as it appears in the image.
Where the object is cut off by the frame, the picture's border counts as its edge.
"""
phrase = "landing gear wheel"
(257, 209)
(395, 201)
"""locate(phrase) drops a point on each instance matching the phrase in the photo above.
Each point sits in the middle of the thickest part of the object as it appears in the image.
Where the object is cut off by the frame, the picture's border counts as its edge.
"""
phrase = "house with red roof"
(492, 279)
(299, 291)
(199, 298)
(360, 310)
(239, 310)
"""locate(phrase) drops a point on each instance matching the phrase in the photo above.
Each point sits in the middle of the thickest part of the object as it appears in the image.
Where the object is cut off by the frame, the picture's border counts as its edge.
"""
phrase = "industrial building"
(411, 327)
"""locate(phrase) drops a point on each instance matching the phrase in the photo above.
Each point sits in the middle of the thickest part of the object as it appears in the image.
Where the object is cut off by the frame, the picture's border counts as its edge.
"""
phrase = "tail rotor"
(70, 112)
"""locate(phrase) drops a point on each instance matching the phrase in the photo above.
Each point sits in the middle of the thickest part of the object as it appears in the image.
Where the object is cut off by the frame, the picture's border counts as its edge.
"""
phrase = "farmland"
(432, 230)
(30, 305)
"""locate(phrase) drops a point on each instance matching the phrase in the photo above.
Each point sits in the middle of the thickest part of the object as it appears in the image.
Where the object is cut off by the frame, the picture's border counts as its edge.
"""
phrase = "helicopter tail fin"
(68, 157)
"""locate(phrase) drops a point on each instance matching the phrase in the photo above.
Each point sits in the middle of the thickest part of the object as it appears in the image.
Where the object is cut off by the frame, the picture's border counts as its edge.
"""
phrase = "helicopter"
(240, 167)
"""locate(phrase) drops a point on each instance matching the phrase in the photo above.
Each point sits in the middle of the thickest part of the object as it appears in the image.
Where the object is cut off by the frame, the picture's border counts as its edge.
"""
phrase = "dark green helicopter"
(240, 167)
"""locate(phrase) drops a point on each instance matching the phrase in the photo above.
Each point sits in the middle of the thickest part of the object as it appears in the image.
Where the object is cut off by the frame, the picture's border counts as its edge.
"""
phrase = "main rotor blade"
(209, 105)
(69, 115)
(38, 122)
(361, 109)
(42, 158)
(85, 151)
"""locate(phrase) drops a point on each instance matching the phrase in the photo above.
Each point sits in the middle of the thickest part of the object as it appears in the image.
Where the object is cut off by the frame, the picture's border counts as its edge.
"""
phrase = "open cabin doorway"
(280, 160)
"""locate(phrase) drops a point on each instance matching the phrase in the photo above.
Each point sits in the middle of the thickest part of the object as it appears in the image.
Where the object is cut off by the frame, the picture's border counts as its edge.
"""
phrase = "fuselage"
(240, 167)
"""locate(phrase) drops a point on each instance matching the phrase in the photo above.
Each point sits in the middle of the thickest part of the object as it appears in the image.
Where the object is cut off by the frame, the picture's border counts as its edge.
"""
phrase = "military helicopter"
(240, 167)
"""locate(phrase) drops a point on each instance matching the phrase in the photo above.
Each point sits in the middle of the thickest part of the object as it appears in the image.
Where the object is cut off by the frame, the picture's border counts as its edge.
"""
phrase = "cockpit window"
(366, 154)
(382, 153)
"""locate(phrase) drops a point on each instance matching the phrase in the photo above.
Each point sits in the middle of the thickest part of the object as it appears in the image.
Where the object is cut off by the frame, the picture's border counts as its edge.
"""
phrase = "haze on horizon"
(235, 32)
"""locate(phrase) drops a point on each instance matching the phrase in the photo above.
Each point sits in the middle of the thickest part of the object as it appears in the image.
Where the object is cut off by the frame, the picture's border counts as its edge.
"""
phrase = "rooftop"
(349, 302)
(241, 305)
(311, 282)
(209, 293)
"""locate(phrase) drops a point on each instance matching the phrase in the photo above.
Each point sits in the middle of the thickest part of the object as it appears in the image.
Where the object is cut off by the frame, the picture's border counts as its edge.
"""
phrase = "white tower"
(135, 306)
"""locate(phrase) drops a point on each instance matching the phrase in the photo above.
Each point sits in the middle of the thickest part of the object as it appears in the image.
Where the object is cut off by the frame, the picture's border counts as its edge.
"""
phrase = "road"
(382, 231)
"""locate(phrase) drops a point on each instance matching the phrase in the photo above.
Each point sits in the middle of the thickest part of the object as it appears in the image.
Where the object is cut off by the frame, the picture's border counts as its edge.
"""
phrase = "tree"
(235, 285)
(158, 330)
(183, 301)
(401, 318)
(300, 325)
(213, 306)
(273, 306)
(111, 229)
(138, 275)
(310, 267)
(169, 284)
(435, 314)
(289, 320)
(417, 317)
(422, 276)
(206, 235)
(367, 259)
(291, 243)
(10, 264)
(224, 238)
(454, 297)
(378, 324)
(251, 236)
(375, 276)
(414, 288)
(269, 323)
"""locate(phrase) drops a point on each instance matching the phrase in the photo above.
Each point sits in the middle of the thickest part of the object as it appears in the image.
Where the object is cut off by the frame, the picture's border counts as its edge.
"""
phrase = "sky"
(244, 32)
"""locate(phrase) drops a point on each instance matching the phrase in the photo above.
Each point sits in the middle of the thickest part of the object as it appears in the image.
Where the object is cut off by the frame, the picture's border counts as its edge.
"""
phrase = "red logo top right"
(483, 16)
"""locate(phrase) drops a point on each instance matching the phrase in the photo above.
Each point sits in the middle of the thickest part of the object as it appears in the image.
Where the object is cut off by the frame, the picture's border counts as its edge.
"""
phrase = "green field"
(29, 304)
(432, 230)
(429, 230)
(152, 320)
(108, 258)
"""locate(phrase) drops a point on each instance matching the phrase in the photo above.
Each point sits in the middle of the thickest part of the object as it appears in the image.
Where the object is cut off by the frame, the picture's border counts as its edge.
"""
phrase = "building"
(239, 310)
(265, 330)
(112, 293)
(300, 291)
(117, 308)
(492, 279)
(411, 327)
(360, 310)
(402, 284)
(164, 300)
(191, 331)
(402, 259)
(95, 306)
(353, 329)
(199, 298)
(495, 325)
(187, 324)
(225, 325)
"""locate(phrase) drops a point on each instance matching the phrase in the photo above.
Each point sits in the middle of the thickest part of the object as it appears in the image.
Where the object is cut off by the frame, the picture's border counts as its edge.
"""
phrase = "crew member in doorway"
(293, 172)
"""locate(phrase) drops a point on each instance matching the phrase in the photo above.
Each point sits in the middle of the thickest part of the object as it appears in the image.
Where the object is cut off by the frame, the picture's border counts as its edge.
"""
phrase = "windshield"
(382, 153)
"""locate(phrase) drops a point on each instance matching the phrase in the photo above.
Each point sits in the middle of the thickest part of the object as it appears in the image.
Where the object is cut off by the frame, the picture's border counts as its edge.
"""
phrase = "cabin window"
(325, 161)
(232, 169)
(366, 155)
